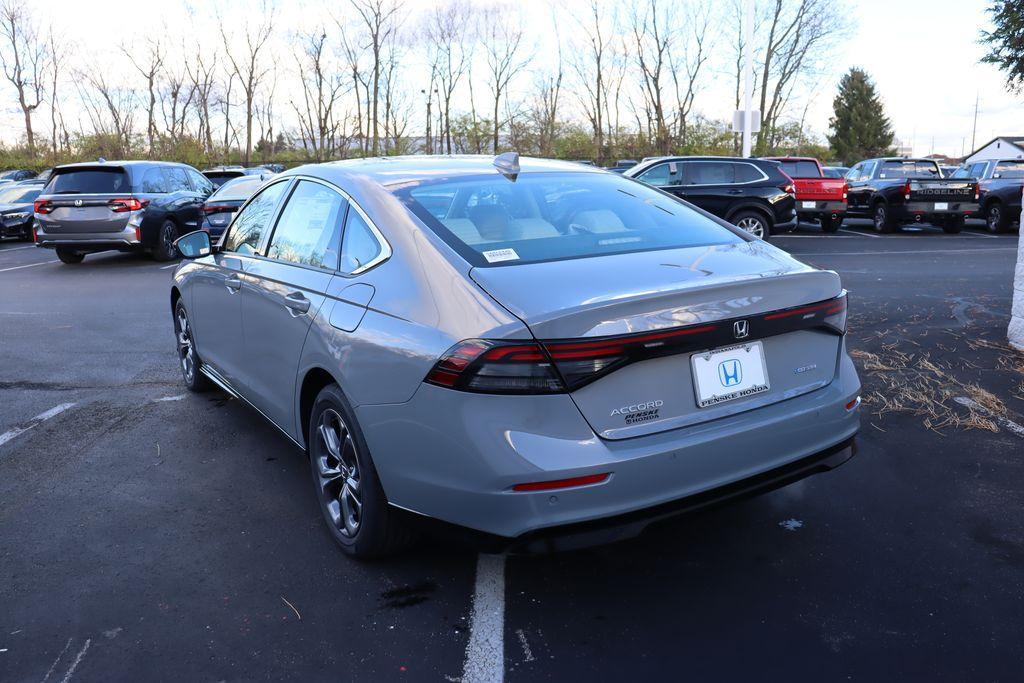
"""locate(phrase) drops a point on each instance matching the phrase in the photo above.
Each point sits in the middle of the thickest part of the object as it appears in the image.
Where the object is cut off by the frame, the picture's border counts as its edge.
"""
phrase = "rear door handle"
(735, 191)
(233, 283)
(297, 302)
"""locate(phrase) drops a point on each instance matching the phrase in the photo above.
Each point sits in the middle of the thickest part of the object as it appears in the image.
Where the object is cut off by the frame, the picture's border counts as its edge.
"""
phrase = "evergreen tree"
(1006, 41)
(860, 128)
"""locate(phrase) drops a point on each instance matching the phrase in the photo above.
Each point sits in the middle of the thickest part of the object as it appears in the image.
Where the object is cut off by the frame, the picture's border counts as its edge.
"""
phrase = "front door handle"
(233, 283)
(735, 191)
(297, 302)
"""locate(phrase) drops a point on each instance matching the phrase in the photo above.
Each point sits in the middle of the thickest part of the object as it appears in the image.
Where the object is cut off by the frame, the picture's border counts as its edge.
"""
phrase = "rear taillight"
(218, 208)
(906, 190)
(43, 206)
(846, 191)
(789, 186)
(561, 365)
(496, 367)
(127, 204)
(977, 191)
(35, 235)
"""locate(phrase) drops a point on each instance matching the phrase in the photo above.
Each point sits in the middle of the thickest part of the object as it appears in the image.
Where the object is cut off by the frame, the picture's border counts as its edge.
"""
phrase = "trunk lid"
(80, 198)
(942, 190)
(661, 290)
(819, 189)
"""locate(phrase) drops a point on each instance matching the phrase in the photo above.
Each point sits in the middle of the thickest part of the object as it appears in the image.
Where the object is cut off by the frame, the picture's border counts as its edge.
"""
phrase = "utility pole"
(748, 74)
(974, 130)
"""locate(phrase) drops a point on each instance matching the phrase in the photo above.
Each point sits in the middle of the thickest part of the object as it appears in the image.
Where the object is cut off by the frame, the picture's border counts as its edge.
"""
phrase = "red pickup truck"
(818, 198)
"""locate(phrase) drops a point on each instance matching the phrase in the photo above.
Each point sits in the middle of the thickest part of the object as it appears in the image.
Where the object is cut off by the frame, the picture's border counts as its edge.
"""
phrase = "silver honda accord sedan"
(539, 355)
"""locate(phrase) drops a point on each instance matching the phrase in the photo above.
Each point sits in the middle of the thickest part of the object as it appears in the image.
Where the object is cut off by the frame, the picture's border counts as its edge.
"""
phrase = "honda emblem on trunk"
(741, 329)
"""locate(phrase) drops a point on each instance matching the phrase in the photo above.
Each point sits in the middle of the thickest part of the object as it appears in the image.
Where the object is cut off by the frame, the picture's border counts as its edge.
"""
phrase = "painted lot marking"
(1006, 422)
(18, 248)
(485, 653)
(34, 422)
(30, 265)
(173, 265)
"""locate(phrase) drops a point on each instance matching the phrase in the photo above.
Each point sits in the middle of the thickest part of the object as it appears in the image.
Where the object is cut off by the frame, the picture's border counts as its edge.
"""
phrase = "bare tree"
(60, 138)
(686, 65)
(149, 67)
(200, 71)
(110, 107)
(502, 35)
(380, 19)
(24, 58)
(446, 33)
(652, 30)
(249, 67)
(589, 62)
(322, 87)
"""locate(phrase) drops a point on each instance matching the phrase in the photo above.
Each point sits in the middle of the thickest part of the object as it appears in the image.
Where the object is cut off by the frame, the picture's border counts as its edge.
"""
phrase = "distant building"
(1006, 147)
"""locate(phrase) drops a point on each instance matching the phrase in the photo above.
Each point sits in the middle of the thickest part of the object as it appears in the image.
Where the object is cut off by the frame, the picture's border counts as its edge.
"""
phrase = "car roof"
(128, 163)
(398, 170)
(791, 159)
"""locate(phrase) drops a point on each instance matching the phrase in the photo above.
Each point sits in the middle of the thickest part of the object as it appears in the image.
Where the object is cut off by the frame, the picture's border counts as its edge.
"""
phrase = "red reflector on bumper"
(853, 404)
(561, 483)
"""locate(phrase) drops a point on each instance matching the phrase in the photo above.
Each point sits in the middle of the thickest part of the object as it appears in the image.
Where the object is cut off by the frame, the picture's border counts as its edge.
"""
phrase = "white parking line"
(34, 422)
(30, 265)
(485, 653)
(1004, 421)
(173, 265)
(17, 248)
(859, 234)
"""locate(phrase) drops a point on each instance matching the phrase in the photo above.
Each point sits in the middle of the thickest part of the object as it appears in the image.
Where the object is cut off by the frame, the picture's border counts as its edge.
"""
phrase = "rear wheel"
(165, 249)
(883, 221)
(348, 489)
(831, 223)
(188, 359)
(952, 224)
(996, 218)
(753, 222)
(69, 256)
(27, 234)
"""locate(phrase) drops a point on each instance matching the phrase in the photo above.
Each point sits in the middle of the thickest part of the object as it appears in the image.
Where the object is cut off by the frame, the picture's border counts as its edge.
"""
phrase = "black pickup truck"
(893, 191)
(1001, 183)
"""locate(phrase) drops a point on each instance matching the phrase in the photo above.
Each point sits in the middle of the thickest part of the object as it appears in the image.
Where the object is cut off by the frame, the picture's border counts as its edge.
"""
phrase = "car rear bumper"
(820, 207)
(455, 457)
(124, 240)
(917, 210)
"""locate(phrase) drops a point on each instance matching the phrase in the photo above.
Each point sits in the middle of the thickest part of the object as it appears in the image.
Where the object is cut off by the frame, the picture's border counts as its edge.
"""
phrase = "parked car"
(1001, 182)
(556, 356)
(273, 168)
(754, 194)
(220, 207)
(221, 174)
(834, 171)
(819, 199)
(622, 165)
(16, 175)
(16, 201)
(897, 190)
(119, 205)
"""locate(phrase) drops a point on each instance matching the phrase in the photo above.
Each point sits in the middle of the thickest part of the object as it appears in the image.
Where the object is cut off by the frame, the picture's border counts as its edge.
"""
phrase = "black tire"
(69, 256)
(376, 530)
(883, 221)
(952, 224)
(830, 224)
(27, 235)
(753, 222)
(165, 249)
(188, 364)
(997, 218)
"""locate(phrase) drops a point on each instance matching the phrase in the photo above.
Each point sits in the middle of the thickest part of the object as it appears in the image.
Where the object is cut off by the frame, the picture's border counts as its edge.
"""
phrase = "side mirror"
(194, 244)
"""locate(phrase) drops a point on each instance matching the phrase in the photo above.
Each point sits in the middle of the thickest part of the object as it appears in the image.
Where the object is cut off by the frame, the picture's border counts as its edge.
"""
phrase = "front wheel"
(953, 224)
(165, 249)
(996, 219)
(69, 256)
(831, 223)
(752, 222)
(349, 492)
(188, 359)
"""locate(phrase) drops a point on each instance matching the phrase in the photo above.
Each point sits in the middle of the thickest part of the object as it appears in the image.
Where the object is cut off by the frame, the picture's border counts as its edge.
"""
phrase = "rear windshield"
(1009, 169)
(218, 178)
(19, 195)
(89, 181)
(554, 216)
(800, 169)
(909, 169)
(237, 188)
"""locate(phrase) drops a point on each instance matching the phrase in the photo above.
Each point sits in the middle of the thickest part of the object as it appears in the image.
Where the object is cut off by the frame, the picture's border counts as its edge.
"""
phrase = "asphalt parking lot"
(151, 534)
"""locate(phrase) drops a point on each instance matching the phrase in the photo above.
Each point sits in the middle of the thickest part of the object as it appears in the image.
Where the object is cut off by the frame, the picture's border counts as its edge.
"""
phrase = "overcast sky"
(923, 55)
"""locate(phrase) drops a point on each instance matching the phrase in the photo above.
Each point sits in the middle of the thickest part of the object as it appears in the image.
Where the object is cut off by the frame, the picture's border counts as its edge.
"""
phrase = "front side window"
(177, 180)
(659, 176)
(708, 173)
(309, 229)
(199, 182)
(361, 245)
(493, 221)
(248, 227)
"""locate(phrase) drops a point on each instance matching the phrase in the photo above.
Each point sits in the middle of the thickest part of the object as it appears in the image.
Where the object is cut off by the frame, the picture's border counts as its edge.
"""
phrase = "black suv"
(753, 194)
(119, 205)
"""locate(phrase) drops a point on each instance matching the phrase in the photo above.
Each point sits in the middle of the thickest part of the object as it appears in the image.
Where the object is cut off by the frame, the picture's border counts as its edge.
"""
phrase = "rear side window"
(800, 169)
(177, 180)
(748, 173)
(708, 173)
(1008, 169)
(152, 182)
(89, 181)
(361, 245)
(309, 229)
(493, 221)
(909, 169)
(199, 182)
(247, 230)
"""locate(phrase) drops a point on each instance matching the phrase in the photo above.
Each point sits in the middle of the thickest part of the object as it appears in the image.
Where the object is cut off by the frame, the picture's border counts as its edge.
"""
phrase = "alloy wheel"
(752, 225)
(186, 348)
(337, 468)
(167, 240)
(995, 217)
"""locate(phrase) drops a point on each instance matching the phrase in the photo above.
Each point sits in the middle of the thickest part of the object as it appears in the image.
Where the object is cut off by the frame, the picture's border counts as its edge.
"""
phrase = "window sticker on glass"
(499, 255)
